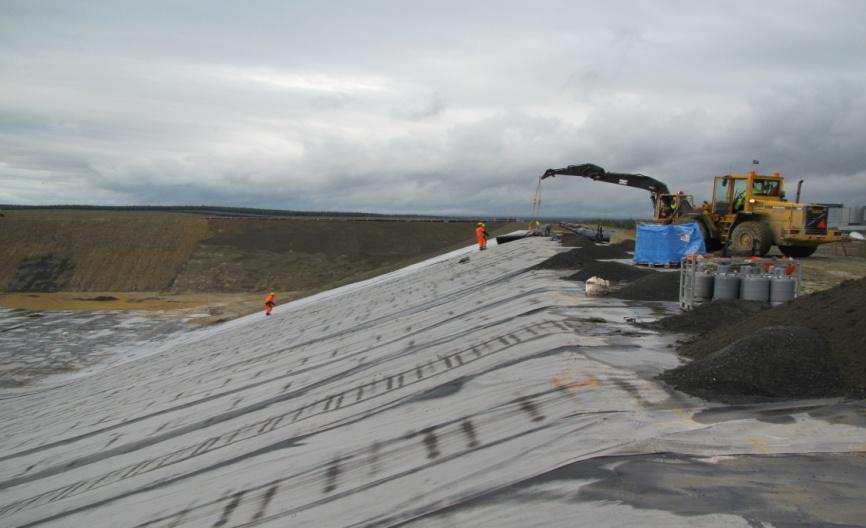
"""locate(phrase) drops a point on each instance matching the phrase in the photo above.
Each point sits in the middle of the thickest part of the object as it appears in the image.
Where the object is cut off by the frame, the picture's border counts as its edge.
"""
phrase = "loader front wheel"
(751, 238)
(711, 244)
(798, 251)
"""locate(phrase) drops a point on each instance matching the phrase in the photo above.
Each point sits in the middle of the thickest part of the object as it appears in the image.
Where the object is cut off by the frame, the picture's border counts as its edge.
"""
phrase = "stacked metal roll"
(704, 285)
(726, 286)
(783, 288)
(755, 288)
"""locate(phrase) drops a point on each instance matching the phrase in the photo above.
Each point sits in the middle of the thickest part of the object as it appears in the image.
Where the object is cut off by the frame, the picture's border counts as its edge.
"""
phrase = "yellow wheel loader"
(749, 213)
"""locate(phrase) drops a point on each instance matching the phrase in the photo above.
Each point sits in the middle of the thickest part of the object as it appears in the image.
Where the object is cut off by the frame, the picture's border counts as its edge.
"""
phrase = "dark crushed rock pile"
(773, 362)
(574, 258)
(612, 271)
(707, 317)
(573, 239)
(657, 286)
(598, 251)
(640, 284)
(563, 261)
(837, 315)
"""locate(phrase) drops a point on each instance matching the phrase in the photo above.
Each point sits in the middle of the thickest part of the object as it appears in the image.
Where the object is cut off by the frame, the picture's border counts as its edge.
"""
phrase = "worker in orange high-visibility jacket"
(269, 303)
(481, 236)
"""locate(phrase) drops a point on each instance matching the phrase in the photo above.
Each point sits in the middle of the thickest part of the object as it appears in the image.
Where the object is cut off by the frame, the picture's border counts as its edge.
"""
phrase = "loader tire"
(751, 238)
(798, 251)
(711, 244)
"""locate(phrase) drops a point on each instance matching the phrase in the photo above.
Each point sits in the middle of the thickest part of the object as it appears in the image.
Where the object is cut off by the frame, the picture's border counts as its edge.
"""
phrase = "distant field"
(104, 251)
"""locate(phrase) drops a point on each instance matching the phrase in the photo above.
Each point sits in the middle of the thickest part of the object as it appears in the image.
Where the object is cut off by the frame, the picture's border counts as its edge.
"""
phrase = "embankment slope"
(105, 251)
(95, 250)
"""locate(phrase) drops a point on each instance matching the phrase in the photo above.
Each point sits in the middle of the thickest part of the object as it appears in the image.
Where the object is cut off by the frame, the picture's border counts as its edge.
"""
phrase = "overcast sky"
(424, 107)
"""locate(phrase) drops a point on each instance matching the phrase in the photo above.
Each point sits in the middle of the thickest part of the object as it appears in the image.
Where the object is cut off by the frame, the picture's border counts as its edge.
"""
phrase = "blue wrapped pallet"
(659, 244)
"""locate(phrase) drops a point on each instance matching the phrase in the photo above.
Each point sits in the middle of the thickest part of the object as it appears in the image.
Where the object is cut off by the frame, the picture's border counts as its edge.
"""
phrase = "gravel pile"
(574, 258)
(567, 260)
(573, 239)
(773, 362)
(657, 286)
(836, 315)
(597, 251)
(640, 284)
(708, 316)
(612, 271)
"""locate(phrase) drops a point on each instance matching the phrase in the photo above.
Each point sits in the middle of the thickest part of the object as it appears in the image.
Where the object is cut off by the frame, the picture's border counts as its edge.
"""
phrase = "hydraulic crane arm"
(588, 170)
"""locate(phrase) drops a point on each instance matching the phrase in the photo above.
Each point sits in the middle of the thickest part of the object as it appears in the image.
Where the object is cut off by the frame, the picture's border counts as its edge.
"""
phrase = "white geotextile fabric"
(374, 405)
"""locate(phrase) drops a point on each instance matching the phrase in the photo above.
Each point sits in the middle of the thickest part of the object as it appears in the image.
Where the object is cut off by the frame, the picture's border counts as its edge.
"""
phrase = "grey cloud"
(448, 108)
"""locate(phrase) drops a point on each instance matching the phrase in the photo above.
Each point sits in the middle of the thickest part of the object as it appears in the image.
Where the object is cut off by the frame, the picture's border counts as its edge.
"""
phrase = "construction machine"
(748, 213)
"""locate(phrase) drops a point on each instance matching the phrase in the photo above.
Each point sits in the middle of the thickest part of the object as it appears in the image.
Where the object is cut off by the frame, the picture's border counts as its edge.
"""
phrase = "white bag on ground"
(596, 287)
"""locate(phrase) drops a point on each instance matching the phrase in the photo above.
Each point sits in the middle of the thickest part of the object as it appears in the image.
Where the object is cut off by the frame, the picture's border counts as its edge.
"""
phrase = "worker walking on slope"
(481, 236)
(269, 303)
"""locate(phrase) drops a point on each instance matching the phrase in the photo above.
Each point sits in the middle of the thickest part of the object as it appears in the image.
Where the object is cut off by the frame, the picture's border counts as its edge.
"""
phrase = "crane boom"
(588, 170)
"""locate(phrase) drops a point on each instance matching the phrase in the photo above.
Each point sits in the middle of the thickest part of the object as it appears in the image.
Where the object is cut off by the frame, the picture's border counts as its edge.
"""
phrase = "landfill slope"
(413, 399)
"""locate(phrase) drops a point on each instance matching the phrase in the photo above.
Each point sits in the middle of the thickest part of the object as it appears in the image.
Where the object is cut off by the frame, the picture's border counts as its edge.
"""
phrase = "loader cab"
(670, 207)
(724, 194)
(736, 193)
(768, 188)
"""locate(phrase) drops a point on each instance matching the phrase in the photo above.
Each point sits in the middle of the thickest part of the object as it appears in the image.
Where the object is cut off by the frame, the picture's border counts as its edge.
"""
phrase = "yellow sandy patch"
(211, 307)
(101, 301)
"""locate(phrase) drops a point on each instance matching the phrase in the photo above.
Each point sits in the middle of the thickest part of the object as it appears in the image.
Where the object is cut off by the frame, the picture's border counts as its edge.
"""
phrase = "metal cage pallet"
(693, 264)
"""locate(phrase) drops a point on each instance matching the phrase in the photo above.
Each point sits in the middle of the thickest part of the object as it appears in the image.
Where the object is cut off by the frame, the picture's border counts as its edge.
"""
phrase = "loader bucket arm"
(594, 172)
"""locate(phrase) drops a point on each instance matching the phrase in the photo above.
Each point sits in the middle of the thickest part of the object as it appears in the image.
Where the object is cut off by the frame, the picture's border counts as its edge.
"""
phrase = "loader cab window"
(739, 194)
(720, 196)
(663, 206)
(766, 188)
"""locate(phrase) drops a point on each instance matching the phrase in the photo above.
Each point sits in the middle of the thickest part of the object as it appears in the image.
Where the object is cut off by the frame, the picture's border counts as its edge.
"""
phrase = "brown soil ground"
(832, 264)
(825, 271)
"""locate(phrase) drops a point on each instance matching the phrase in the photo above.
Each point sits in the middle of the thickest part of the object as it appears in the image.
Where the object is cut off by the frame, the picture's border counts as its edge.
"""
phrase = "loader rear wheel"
(751, 238)
(797, 251)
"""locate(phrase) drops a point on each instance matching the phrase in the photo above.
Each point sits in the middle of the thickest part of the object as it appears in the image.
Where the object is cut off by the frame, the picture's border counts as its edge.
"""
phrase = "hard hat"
(481, 223)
